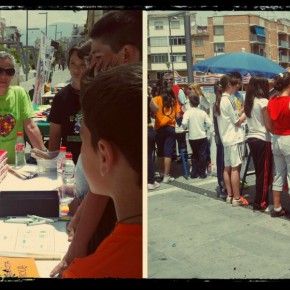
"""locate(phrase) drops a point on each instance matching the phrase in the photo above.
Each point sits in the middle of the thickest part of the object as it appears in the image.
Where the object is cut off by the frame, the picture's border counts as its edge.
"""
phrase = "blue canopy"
(242, 62)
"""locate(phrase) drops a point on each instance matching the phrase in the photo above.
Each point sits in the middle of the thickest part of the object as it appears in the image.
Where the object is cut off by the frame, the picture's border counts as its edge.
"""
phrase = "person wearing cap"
(16, 110)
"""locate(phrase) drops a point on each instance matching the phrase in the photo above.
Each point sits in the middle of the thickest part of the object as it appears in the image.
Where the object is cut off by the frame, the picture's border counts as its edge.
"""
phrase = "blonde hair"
(196, 89)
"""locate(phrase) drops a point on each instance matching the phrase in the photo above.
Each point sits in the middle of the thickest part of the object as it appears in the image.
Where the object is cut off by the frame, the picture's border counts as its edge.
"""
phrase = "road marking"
(165, 190)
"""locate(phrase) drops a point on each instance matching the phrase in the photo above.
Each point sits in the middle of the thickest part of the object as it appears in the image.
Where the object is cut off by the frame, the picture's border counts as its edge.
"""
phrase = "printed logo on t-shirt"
(77, 118)
(7, 123)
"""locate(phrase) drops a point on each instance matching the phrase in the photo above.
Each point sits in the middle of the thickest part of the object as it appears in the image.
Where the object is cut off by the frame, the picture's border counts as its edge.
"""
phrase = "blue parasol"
(242, 62)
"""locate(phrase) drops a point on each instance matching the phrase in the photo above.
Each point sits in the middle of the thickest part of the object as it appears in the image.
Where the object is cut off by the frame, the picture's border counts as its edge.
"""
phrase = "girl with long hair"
(231, 133)
(259, 138)
(221, 190)
(165, 116)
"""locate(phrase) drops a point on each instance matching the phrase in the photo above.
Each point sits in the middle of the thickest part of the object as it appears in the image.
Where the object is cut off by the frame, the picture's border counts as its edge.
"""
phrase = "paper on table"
(13, 183)
(18, 267)
(42, 242)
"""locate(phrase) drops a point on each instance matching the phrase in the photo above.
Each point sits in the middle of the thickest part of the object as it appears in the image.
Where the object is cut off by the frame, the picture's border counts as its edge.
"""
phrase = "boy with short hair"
(112, 161)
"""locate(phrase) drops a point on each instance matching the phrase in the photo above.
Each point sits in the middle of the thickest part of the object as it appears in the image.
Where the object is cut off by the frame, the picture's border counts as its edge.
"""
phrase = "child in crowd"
(259, 138)
(279, 113)
(221, 189)
(197, 121)
(230, 131)
(112, 161)
(165, 116)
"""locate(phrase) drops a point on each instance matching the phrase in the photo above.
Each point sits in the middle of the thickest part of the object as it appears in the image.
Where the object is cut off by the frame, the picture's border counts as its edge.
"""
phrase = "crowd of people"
(260, 120)
(105, 88)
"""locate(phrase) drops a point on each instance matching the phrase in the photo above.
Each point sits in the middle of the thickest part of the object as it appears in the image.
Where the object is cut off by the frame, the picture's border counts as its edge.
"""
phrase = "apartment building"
(251, 33)
(166, 37)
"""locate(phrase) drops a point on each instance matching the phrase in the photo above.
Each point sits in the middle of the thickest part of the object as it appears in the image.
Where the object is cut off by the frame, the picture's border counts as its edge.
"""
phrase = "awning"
(260, 31)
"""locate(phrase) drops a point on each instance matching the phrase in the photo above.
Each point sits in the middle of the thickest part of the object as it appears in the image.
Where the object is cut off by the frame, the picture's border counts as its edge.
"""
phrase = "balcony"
(261, 53)
(283, 58)
(200, 30)
(283, 44)
(257, 39)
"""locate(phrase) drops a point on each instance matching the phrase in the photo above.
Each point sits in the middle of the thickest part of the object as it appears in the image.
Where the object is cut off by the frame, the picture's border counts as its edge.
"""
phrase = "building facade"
(250, 33)
(166, 37)
(221, 34)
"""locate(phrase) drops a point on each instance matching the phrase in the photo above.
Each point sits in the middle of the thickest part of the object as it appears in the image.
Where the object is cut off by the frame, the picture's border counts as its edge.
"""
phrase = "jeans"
(199, 155)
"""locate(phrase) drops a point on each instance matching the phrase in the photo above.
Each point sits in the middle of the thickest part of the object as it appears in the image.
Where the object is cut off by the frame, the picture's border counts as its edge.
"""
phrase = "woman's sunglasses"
(8, 71)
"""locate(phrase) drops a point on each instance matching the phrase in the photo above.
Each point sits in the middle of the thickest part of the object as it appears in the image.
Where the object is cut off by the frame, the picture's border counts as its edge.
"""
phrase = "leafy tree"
(13, 51)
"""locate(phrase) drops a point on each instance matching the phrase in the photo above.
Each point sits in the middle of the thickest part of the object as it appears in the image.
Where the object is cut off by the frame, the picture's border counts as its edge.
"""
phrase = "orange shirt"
(167, 119)
(118, 256)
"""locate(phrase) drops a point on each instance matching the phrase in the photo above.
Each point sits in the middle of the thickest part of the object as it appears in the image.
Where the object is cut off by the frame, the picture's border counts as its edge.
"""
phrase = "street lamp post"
(55, 32)
(60, 32)
(188, 43)
(188, 47)
(45, 21)
(27, 53)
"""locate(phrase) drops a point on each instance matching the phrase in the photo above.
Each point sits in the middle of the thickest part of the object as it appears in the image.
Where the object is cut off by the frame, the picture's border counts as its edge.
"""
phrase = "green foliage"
(13, 51)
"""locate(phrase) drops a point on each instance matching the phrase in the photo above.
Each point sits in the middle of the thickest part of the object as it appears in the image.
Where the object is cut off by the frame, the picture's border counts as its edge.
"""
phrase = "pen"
(33, 223)
(17, 220)
(41, 218)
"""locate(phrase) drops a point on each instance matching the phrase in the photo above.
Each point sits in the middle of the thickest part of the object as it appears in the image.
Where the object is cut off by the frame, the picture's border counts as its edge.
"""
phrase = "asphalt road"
(193, 234)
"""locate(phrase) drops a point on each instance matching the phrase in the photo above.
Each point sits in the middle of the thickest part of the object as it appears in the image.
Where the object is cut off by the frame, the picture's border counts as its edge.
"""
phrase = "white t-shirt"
(229, 133)
(197, 121)
(256, 123)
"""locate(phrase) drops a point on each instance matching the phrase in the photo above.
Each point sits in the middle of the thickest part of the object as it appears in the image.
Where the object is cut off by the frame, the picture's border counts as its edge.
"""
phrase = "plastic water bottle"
(68, 170)
(20, 150)
(60, 159)
(68, 187)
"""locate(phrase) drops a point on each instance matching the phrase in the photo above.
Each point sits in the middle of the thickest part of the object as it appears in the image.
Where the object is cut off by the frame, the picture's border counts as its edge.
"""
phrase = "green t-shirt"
(15, 107)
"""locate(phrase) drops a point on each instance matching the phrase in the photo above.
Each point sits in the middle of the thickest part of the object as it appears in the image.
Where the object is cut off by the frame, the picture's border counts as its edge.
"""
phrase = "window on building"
(158, 41)
(159, 58)
(174, 24)
(199, 56)
(178, 57)
(219, 47)
(158, 25)
(177, 40)
(218, 30)
(198, 41)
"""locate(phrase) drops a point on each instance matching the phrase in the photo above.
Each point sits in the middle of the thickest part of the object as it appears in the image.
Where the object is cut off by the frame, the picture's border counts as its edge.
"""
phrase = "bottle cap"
(62, 149)
(68, 155)
(19, 133)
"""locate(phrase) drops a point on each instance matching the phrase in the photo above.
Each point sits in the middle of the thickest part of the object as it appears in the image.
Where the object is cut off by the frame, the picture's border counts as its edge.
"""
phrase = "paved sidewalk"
(193, 234)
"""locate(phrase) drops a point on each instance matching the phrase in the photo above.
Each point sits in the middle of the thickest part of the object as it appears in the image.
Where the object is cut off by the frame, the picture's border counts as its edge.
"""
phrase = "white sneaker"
(167, 179)
(157, 174)
(229, 199)
(269, 208)
(153, 186)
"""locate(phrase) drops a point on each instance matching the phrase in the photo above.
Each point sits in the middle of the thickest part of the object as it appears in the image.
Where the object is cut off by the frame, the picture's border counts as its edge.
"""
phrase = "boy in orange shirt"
(112, 161)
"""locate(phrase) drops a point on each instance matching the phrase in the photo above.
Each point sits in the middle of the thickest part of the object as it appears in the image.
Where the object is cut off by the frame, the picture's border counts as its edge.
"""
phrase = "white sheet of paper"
(43, 182)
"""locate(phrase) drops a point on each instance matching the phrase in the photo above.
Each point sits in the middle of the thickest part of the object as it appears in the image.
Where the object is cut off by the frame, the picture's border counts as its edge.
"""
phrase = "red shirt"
(118, 256)
(279, 113)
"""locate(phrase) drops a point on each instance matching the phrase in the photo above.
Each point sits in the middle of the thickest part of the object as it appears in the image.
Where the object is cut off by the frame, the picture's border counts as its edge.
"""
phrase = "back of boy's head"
(112, 109)
(194, 100)
(119, 28)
